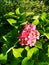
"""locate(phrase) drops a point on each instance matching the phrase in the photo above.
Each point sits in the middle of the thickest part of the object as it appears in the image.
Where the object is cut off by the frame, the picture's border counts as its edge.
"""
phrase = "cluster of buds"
(29, 35)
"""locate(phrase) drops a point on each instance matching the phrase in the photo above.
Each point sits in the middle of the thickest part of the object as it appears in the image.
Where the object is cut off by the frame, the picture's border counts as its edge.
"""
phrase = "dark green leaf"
(41, 63)
(48, 50)
(4, 48)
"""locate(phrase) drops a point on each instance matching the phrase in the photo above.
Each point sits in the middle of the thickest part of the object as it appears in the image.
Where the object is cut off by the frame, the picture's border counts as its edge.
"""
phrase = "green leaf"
(12, 22)
(9, 14)
(27, 61)
(22, 19)
(47, 35)
(17, 11)
(41, 63)
(35, 22)
(23, 23)
(27, 48)
(4, 48)
(35, 17)
(17, 52)
(38, 44)
(47, 28)
(15, 62)
(47, 21)
(11, 37)
(32, 51)
(2, 40)
(48, 50)
(3, 58)
(29, 13)
(43, 16)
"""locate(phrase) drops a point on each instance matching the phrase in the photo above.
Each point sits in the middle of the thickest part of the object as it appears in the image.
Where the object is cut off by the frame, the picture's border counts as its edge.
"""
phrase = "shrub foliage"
(11, 24)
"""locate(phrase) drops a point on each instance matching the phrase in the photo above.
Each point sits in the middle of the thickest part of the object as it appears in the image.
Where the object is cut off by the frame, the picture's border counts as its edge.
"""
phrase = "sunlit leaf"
(17, 11)
(12, 22)
(47, 35)
(27, 48)
(9, 14)
(3, 58)
(17, 52)
(23, 23)
(43, 16)
(29, 13)
(36, 22)
(35, 17)
(32, 51)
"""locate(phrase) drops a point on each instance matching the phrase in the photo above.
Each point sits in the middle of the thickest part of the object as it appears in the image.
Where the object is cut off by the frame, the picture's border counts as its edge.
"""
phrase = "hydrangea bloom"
(29, 35)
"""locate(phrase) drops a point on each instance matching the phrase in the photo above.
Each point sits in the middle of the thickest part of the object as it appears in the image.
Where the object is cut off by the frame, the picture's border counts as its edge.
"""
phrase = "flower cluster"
(29, 35)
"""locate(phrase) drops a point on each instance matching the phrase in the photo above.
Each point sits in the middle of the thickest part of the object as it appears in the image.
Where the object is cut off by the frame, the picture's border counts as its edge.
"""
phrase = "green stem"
(11, 47)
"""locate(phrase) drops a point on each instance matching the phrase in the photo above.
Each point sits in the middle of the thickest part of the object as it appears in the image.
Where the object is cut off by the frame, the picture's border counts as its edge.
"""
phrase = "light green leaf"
(35, 17)
(38, 44)
(24, 23)
(32, 51)
(43, 16)
(3, 58)
(29, 13)
(17, 11)
(9, 14)
(12, 22)
(35, 22)
(27, 48)
(17, 52)
(47, 35)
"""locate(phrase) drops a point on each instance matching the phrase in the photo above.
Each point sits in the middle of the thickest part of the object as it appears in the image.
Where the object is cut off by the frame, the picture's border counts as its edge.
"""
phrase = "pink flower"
(29, 35)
